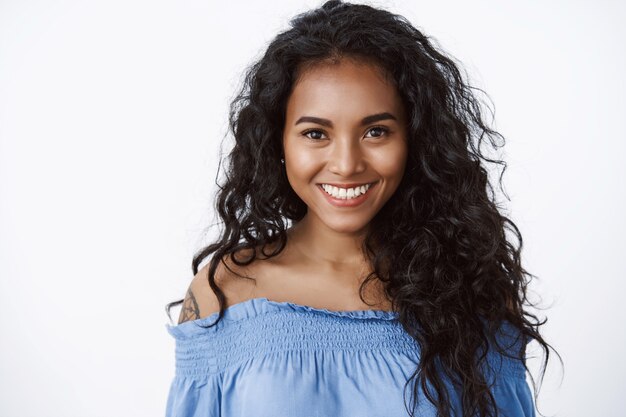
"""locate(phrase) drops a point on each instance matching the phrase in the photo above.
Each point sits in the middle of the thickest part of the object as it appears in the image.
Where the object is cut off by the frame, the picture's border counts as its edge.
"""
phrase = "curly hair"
(439, 244)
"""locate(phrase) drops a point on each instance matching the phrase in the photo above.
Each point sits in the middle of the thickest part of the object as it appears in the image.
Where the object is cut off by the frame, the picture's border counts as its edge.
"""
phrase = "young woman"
(361, 257)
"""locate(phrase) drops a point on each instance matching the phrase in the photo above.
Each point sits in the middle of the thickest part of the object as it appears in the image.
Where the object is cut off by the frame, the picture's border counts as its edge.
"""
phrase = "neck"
(327, 248)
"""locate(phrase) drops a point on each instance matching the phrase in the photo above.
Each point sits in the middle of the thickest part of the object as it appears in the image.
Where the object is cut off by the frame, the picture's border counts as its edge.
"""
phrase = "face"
(345, 125)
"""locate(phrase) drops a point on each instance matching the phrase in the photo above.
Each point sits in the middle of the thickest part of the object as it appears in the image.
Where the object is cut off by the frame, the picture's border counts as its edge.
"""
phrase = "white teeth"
(345, 193)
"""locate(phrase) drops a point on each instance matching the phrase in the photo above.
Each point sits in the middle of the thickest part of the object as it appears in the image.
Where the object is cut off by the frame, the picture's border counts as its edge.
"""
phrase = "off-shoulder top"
(280, 359)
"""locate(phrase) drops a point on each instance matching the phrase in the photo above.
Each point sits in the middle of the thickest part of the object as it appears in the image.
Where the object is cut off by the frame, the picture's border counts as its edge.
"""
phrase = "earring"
(282, 160)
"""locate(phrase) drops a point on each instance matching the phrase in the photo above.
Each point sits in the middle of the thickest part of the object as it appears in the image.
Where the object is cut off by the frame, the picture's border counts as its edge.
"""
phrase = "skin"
(190, 309)
(330, 237)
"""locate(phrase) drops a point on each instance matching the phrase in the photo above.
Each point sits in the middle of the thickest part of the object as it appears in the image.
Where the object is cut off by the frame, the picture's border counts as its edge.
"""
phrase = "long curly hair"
(439, 244)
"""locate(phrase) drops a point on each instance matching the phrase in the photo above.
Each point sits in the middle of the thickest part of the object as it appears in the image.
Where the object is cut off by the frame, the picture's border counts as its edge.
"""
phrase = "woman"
(394, 273)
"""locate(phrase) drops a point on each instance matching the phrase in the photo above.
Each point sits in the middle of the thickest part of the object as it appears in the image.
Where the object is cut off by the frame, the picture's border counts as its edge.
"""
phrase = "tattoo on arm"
(190, 310)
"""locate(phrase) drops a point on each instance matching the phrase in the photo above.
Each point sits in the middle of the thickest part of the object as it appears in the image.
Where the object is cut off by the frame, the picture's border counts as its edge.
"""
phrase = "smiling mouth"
(348, 195)
(346, 186)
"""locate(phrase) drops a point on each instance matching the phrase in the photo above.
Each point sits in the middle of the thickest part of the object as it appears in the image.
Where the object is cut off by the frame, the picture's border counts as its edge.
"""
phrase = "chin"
(343, 225)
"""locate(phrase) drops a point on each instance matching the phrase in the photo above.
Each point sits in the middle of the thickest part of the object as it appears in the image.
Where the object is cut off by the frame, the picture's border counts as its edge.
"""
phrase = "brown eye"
(383, 130)
(315, 131)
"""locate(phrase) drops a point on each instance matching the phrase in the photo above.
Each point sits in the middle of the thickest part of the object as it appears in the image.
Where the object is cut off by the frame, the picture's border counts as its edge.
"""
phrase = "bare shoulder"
(200, 300)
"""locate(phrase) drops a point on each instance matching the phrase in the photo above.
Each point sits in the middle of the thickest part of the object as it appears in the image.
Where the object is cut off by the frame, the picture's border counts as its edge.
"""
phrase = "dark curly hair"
(439, 244)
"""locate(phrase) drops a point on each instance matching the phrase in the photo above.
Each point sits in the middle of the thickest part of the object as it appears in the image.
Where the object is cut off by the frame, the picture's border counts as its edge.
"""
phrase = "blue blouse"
(279, 359)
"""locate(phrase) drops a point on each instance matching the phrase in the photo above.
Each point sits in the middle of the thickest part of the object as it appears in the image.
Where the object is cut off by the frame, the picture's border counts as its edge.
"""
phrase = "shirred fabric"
(279, 359)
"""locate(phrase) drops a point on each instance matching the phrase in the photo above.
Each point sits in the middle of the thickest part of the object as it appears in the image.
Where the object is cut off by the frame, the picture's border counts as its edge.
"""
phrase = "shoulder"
(201, 301)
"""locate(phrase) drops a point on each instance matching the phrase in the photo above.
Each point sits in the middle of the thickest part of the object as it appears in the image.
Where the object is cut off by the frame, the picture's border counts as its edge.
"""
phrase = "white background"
(111, 116)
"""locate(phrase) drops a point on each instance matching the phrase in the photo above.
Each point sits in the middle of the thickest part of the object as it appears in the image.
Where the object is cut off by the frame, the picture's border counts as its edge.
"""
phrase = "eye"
(381, 128)
(305, 133)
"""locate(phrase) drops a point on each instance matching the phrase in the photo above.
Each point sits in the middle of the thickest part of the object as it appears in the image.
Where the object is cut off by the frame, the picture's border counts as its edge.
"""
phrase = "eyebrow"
(365, 121)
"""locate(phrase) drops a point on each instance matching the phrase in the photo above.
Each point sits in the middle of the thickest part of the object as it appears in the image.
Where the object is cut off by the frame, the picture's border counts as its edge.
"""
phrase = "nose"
(346, 159)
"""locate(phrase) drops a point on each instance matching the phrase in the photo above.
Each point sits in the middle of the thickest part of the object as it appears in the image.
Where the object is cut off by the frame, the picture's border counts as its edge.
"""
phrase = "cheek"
(301, 166)
(300, 159)
(391, 164)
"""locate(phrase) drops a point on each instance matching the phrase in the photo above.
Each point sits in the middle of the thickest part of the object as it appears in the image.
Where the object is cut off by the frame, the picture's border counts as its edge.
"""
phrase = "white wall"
(111, 114)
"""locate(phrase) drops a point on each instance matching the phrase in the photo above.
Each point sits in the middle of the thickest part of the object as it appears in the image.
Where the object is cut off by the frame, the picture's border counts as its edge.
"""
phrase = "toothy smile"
(345, 193)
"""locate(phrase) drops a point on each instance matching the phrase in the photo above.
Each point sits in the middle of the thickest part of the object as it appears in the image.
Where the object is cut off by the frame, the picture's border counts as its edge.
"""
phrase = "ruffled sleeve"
(511, 390)
(194, 397)
(514, 397)
(196, 389)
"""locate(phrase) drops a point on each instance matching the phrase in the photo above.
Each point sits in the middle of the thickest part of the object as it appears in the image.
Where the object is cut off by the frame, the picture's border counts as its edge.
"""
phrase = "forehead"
(334, 89)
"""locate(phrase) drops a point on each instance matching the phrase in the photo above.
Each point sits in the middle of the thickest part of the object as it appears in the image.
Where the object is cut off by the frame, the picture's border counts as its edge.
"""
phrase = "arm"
(200, 300)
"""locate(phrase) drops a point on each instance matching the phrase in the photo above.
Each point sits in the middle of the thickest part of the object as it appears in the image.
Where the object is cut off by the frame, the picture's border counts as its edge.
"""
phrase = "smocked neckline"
(261, 305)
(357, 314)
